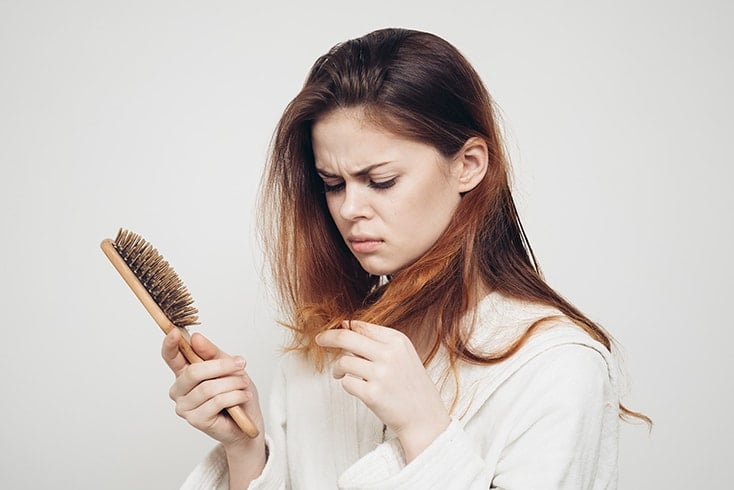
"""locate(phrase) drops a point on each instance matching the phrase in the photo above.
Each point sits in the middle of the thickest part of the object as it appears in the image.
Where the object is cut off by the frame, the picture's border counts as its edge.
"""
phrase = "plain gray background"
(156, 116)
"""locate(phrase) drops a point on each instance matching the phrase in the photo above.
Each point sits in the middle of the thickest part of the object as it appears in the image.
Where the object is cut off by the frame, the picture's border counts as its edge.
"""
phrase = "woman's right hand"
(203, 390)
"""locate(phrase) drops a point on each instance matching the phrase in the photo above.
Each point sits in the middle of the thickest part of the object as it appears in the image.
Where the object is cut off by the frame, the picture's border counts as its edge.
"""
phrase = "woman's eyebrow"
(359, 173)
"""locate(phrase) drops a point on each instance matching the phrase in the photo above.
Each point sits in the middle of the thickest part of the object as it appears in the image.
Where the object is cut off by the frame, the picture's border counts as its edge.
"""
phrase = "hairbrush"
(164, 295)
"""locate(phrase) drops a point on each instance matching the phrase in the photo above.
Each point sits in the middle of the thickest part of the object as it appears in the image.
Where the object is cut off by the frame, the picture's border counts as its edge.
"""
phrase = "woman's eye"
(385, 184)
(378, 185)
(333, 187)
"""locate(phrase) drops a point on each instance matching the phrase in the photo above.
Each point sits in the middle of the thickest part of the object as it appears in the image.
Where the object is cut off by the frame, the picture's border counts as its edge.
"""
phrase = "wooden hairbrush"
(164, 295)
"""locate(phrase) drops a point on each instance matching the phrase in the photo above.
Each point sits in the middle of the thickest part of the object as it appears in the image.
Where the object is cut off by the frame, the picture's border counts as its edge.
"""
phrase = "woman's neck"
(426, 336)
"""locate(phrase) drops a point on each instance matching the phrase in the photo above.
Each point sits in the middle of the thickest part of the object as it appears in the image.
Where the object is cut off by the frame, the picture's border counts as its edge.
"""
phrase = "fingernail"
(317, 339)
(239, 362)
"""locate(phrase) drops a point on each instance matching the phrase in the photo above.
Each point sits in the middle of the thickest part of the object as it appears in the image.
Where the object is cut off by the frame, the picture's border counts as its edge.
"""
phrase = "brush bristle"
(158, 278)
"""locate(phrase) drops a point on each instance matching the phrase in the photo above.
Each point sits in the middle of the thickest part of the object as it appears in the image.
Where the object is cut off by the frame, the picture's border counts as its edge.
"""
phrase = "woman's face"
(391, 198)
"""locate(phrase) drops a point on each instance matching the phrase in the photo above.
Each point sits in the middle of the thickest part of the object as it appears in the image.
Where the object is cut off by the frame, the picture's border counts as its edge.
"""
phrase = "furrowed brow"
(325, 174)
(359, 173)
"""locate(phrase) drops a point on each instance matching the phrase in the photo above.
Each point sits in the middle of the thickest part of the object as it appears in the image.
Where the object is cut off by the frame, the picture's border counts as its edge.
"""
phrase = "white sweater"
(546, 418)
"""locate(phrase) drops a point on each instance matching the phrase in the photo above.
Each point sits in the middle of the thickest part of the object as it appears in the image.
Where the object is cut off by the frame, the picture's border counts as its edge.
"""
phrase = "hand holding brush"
(166, 298)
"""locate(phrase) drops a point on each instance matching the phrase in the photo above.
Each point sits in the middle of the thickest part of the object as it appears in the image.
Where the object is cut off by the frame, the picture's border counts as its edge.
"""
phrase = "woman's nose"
(355, 203)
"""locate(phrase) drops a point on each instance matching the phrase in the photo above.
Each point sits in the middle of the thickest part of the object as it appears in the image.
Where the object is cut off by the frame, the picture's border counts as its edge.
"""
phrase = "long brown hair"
(419, 86)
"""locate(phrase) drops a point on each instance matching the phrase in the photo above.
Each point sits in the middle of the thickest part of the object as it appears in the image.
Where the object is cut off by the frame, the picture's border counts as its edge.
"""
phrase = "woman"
(427, 350)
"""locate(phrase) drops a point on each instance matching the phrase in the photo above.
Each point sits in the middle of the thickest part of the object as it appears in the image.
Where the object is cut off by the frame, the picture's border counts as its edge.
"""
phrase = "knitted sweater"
(547, 417)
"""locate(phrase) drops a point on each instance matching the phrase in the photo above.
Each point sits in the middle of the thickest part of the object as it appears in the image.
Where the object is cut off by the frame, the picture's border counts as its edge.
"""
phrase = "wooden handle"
(237, 413)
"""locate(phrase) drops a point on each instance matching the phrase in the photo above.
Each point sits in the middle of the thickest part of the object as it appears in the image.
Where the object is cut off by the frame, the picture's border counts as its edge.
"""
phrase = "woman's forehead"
(344, 137)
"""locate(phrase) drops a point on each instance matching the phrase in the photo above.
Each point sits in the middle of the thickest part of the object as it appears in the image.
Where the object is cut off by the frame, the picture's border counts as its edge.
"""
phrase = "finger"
(357, 387)
(209, 389)
(373, 331)
(202, 371)
(348, 340)
(171, 354)
(205, 348)
(206, 415)
(391, 343)
(352, 366)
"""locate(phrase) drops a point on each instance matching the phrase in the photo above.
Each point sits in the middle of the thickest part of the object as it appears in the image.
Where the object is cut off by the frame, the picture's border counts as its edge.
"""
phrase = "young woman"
(427, 350)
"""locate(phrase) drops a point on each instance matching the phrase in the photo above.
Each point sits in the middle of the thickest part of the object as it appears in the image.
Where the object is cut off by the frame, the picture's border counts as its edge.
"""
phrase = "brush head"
(157, 277)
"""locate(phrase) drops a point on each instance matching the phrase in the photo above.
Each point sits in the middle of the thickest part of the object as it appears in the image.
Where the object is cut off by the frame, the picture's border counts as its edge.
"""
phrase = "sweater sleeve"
(212, 472)
(565, 429)
(274, 475)
(545, 427)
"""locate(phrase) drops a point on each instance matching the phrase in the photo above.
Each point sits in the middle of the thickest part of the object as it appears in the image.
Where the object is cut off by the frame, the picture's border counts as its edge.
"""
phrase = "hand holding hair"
(381, 367)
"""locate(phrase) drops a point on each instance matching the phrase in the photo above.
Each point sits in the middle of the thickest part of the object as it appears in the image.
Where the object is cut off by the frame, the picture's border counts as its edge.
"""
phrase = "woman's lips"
(364, 246)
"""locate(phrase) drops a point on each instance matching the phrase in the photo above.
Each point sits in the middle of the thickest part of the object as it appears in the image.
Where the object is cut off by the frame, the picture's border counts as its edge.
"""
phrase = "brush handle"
(237, 413)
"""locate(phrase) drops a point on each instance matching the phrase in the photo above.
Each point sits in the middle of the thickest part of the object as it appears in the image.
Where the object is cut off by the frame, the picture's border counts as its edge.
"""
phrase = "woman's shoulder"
(499, 320)
(559, 357)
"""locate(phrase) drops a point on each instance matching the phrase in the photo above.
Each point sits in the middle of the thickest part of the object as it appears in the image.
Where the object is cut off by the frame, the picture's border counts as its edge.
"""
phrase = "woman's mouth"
(364, 245)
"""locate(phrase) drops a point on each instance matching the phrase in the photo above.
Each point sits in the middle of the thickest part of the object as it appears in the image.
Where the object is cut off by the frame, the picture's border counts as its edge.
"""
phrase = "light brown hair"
(416, 85)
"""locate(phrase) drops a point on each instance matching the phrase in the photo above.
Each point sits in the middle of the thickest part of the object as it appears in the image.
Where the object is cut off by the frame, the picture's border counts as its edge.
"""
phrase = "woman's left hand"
(381, 367)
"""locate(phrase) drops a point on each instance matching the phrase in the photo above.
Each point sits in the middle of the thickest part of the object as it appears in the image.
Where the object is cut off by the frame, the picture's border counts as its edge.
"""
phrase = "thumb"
(205, 348)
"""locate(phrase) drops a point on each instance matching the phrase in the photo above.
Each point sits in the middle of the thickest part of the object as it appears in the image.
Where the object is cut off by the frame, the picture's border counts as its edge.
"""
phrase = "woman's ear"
(472, 162)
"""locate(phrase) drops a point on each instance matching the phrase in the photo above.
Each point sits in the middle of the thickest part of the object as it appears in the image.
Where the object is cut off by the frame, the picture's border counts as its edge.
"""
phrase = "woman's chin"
(377, 268)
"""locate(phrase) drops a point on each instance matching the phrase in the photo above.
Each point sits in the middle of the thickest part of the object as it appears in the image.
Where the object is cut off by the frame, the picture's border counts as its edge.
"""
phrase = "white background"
(156, 116)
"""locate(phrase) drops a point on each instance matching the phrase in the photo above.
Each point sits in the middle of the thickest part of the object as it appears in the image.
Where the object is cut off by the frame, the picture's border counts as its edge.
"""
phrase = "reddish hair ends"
(417, 85)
